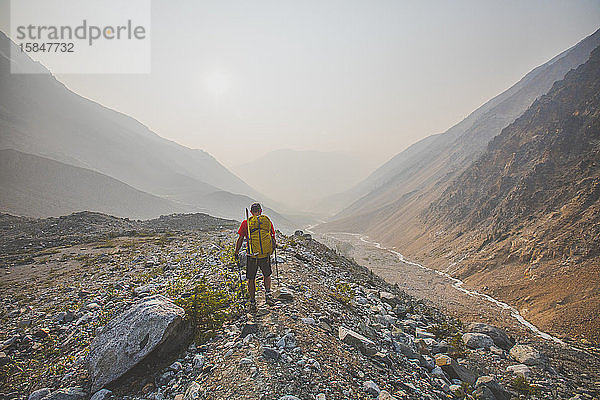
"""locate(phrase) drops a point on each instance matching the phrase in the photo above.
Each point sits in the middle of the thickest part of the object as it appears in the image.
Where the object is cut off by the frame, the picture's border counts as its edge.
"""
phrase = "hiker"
(261, 243)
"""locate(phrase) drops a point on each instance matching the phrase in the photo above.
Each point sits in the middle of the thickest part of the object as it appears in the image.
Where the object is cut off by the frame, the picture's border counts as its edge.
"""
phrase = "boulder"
(454, 370)
(499, 337)
(526, 354)
(486, 388)
(477, 340)
(366, 346)
(154, 324)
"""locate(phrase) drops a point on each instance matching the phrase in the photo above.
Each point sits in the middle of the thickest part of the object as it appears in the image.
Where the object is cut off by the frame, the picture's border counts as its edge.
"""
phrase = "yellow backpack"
(259, 236)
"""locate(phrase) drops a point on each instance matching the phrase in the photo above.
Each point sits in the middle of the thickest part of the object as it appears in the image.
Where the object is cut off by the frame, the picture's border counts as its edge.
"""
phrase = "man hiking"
(261, 243)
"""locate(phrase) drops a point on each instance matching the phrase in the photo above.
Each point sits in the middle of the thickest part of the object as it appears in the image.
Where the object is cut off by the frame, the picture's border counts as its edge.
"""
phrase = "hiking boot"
(270, 300)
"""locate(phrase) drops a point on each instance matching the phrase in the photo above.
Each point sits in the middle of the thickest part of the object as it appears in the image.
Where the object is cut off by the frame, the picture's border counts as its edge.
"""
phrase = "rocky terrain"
(521, 222)
(160, 315)
(529, 210)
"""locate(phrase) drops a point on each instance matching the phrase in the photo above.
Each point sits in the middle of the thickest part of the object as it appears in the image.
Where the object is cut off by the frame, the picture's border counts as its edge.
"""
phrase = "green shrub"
(343, 293)
(445, 329)
(521, 386)
(207, 308)
(458, 346)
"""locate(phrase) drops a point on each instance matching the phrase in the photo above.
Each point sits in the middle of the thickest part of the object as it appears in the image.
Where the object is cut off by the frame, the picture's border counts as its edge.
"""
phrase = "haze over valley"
(431, 170)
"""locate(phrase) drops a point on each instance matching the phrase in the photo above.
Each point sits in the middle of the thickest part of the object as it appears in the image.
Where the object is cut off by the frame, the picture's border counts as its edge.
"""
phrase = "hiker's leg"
(265, 267)
(251, 269)
(252, 289)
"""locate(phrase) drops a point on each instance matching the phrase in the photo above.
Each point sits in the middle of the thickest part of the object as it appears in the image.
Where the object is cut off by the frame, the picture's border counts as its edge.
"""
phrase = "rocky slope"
(337, 331)
(38, 187)
(529, 209)
(521, 222)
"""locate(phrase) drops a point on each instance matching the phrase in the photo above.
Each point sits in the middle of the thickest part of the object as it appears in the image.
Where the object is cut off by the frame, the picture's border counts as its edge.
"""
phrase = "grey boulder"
(499, 337)
(366, 346)
(526, 354)
(477, 340)
(487, 388)
(154, 323)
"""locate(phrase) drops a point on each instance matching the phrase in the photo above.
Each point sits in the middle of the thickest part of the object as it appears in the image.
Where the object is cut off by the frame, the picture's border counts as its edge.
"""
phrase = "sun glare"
(217, 83)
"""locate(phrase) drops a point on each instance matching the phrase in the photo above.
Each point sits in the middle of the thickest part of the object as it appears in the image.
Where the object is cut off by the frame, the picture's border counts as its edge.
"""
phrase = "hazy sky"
(241, 78)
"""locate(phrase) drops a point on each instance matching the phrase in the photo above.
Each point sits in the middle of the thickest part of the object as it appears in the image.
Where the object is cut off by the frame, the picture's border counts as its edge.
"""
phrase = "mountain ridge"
(431, 161)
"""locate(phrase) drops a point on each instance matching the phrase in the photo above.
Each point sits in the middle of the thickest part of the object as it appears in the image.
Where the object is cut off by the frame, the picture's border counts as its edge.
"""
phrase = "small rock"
(39, 394)
(72, 393)
(283, 294)
(176, 366)
(385, 395)
(438, 372)
(248, 329)
(101, 394)
(288, 341)
(371, 388)
(422, 333)
(4, 359)
(271, 354)
(198, 361)
(521, 370)
(41, 333)
(246, 361)
(192, 392)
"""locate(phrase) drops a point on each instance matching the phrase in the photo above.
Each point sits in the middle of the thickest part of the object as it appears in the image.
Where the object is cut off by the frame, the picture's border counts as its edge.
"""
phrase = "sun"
(217, 83)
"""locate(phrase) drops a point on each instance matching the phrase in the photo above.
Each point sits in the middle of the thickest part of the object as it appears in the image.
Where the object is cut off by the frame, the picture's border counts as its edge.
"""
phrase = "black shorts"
(253, 264)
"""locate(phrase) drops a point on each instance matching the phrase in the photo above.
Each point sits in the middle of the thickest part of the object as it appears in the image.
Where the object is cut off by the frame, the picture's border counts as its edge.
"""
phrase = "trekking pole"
(241, 295)
(277, 269)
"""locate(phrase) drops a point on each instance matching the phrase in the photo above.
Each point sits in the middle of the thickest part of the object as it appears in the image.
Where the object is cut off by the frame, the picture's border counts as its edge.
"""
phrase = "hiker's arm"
(238, 244)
